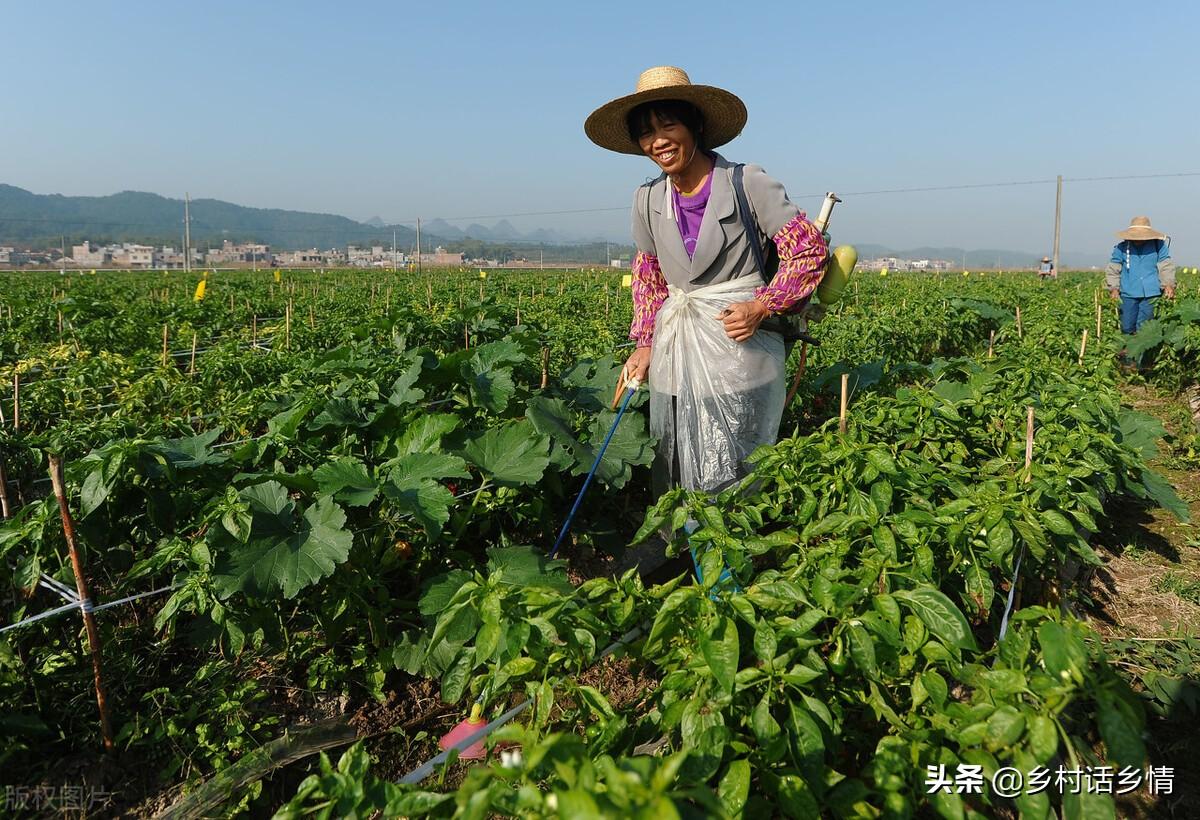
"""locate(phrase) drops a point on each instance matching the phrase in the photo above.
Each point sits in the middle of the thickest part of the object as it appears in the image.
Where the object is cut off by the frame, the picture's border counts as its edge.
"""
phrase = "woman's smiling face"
(669, 143)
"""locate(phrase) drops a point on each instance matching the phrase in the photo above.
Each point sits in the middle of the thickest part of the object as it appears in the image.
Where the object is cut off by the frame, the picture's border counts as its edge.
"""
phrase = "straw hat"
(1139, 228)
(724, 114)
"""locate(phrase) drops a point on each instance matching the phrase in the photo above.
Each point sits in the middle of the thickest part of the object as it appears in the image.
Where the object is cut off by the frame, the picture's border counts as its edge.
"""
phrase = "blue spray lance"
(630, 388)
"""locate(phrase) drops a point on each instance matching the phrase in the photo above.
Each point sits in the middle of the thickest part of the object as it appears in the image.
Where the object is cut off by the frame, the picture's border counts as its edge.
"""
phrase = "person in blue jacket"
(1140, 271)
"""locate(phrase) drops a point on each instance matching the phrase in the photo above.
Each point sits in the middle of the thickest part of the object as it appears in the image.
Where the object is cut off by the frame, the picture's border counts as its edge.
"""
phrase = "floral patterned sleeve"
(802, 256)
(649, 288)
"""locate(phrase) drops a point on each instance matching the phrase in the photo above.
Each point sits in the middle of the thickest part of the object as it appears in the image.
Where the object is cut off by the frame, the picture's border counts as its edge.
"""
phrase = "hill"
(41, 219)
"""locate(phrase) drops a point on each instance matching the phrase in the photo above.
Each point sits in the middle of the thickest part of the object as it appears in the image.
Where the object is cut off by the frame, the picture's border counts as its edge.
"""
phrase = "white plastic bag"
(712, 400)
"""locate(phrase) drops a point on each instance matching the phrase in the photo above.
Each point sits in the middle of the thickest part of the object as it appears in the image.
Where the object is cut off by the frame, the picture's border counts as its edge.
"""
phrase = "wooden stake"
(991, 343)
(4, 509)
(312, 322)
(164, 355)
(1083, 346)
(16, 402)
(60, 327)
(606, 301)
(845, 399)
(287, 326)
(1020, 332)
(466, 338)
(1097, 321)
(799, 375)
(254, 330)
(192, 366)
(81, 589)
(545, 367)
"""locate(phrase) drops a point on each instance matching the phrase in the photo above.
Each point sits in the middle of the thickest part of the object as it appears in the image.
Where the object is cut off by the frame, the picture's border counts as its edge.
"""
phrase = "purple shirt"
(689, 213)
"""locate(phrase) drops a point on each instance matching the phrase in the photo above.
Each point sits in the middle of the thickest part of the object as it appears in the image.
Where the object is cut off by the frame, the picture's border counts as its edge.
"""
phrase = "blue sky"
(461, 109)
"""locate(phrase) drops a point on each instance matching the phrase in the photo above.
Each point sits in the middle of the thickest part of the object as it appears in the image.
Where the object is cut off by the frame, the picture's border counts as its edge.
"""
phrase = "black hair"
(680, 111)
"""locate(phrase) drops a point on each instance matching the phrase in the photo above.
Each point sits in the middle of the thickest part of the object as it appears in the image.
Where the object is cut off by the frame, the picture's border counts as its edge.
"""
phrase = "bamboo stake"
(4, 509)
(991, 343)
(164, 353)
(545, 367)
(466, 338)
(89, 620)
(16, 402)
(1020, 332)
(1097, 321)
(192, 365)
(1083, 346)
(312, 322)
(287, 326)
(254, 330)
(606, 301)
(60, 327)
(845, 398)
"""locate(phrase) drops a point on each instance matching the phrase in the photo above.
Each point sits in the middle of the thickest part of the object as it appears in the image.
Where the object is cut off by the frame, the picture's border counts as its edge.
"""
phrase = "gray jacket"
(722, 249)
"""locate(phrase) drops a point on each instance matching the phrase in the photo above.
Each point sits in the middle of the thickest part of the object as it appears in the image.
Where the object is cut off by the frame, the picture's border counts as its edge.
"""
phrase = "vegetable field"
(341, 489)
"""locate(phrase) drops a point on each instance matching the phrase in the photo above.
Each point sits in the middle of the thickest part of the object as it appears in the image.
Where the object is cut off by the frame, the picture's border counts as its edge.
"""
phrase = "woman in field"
(707, 321)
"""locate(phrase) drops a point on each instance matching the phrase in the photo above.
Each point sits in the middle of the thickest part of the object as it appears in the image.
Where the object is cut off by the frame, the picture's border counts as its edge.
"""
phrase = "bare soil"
(1149, 554)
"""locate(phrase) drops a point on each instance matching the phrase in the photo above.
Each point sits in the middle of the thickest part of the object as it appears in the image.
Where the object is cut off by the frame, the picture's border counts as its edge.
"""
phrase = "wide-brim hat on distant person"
(1139, 228)
(724, 114)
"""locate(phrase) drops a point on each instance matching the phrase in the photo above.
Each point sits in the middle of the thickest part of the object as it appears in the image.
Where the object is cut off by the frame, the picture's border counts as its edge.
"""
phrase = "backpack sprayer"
(842, 260)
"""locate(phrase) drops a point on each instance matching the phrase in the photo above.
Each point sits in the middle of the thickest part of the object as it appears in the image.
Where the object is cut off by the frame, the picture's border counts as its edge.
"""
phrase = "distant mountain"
(985, 258)
(374, 222)
(130, 216)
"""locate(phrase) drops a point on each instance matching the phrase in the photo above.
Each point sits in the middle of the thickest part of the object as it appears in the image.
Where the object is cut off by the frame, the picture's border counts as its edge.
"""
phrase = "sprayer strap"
(748, 221)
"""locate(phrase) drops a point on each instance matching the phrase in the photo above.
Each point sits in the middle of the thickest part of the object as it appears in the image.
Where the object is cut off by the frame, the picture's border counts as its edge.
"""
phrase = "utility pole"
(418, 245)
(187, 233)
(1057, 223)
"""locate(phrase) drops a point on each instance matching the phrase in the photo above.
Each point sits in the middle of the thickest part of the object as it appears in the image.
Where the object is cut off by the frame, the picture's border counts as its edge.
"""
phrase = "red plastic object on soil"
(463, 731)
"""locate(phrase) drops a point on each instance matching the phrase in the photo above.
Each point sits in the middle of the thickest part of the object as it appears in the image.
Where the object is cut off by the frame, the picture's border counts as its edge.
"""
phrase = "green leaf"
(285, 551)
(1043, 738)
(939, 614)
(425, 433)
(347, 480)
(95, 490)
(403, 391)
(488, 374)
(808, 746)
(882, 462)
(1087, 806)
(1122, 737)
(1004, 727)
(734, 787)
(1061, 651)
(1164, 495)
(862, 651)
(426, 500)
(720, 649)
(936, 686)
(528, 567)
(513, 454)
(1057, 523)
(418, 466)
(193, 451)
